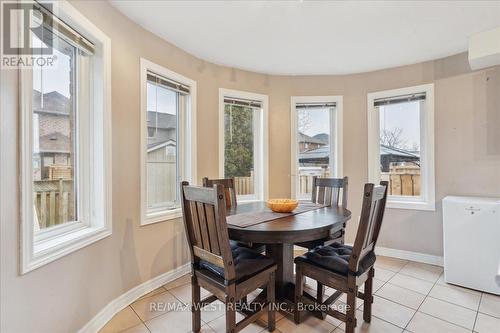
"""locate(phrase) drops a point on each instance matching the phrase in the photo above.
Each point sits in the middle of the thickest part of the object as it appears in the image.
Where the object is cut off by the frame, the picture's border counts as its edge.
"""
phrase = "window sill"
(46, 251)
(411, 205)
(162, 216)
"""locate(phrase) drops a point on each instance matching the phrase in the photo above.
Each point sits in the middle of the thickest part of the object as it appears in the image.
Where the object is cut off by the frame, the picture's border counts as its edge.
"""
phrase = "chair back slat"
(204, 216)
(328, 191)
(200, 209)
(212, 229)
(372, 215)
(229, 189)
(195, 225)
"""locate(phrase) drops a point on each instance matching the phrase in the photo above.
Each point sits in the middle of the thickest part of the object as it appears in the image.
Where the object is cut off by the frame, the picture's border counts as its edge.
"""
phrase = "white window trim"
(427, 200)
(262, 184)
(336, 140)
(187, 144)
(52, 244)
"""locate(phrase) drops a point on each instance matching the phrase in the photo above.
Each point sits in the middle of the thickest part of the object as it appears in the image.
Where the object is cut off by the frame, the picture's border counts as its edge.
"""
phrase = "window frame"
(336, 140)
(95, 223)
(261, 159)
(187, 141)
(427, 200)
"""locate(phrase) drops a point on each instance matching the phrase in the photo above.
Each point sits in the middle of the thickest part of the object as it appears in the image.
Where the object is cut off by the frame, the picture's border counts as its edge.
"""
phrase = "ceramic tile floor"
(409, 297)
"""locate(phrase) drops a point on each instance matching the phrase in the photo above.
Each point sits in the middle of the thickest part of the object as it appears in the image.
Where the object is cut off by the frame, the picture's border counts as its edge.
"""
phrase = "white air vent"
(484, 49)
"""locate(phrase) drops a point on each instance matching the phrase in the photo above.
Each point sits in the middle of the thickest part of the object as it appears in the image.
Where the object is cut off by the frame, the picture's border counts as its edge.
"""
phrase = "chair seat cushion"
(335, 258)
(247, 263)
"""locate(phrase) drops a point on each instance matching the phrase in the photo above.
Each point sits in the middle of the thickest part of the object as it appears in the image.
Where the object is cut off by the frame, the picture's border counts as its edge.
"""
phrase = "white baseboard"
(409, 255)
(119, 303)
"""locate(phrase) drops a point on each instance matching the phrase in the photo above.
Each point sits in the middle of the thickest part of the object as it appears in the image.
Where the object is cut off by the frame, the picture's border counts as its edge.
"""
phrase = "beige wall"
(64, 295)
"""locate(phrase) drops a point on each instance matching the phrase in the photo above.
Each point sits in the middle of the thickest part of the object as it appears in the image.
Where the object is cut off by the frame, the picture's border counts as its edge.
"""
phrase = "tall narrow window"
(65, 142)
(316, 136)
(164, 103)
(54, 133)
(167, 114)
(243, 146)
(401, 145)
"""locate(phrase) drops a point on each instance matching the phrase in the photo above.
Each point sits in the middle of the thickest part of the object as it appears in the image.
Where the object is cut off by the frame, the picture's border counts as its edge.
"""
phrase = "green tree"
(238, 137)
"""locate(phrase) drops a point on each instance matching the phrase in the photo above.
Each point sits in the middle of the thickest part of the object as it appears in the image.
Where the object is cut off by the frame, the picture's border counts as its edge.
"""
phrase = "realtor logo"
(23, 23)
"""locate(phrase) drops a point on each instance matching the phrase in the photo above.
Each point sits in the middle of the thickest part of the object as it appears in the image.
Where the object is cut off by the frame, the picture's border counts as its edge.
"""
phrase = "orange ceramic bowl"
(282, 205)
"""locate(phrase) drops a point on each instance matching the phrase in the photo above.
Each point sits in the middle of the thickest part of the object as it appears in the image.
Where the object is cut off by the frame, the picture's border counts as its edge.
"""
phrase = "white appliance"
(471, 232)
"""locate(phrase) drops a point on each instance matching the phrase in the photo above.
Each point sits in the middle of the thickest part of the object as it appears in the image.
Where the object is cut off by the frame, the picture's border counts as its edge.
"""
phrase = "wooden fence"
(161, 172)
(403, 180)
(244, 185)
(53, 202)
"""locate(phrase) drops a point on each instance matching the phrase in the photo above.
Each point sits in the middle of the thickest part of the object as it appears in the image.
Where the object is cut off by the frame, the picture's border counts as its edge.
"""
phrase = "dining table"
(281, 231)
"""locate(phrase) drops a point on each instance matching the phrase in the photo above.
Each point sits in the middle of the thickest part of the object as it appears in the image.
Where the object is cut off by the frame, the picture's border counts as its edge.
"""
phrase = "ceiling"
(315, 37)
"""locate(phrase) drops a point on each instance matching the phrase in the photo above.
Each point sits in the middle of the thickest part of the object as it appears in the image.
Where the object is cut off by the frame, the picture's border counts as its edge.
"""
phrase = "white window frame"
(261, 158)
(336, 136)
(186, 135)
(95, 205)
(426, 201)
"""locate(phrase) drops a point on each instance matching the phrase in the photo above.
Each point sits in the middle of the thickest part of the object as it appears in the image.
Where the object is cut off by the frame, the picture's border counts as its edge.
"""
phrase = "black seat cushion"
(335, 258)
(257, 247)
(246, 263)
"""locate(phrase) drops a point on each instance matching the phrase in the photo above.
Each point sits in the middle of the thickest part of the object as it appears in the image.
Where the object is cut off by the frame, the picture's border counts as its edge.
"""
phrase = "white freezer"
(471, 232)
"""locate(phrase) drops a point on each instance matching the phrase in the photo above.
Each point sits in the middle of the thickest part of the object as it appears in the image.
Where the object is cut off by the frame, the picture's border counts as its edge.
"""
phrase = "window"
(316, 141)
(243, 142)
(54, 133)
(167, 128)
(401, 145)
(65, 138)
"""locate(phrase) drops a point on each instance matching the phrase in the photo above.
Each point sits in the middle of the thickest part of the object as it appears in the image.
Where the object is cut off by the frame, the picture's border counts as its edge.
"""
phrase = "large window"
(401, 145)
(167, 133)
(316, 141)
(65, 126)
(243, 137)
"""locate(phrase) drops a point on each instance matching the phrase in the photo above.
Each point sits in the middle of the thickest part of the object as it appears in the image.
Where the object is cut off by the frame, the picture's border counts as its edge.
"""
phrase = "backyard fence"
(53, 202)
(244, 185)
(161, 172)
(403, 180)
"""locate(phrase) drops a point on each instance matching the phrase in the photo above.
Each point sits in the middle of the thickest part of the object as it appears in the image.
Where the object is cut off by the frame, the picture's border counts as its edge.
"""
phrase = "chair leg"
(320, 290)
(195, 305)
(367, 305)
(271, 311)
(352, 292)
(231, 309)
(299, 289)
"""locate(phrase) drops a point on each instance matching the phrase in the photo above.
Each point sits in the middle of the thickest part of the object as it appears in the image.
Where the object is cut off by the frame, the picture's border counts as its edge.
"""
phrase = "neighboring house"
(394, 155)
(388, 155)
(162, 133)
(51, 117)
(307, 142)
(161, 158)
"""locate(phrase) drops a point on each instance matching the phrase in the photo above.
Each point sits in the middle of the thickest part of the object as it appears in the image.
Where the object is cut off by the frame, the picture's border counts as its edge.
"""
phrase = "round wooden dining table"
(280, 234)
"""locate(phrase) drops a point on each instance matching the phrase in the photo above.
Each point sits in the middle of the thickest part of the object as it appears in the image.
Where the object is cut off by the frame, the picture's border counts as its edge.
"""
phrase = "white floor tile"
(456, 296)
(408, 282)
(449, 312)
(401, 295)
(487, 324)
(423, 323)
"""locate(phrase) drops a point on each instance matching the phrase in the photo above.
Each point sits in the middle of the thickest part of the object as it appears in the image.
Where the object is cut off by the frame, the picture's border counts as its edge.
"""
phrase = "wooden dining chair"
(229, 274)
(231, 202)
(330, 192)
(229, 189)
(345, 268)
